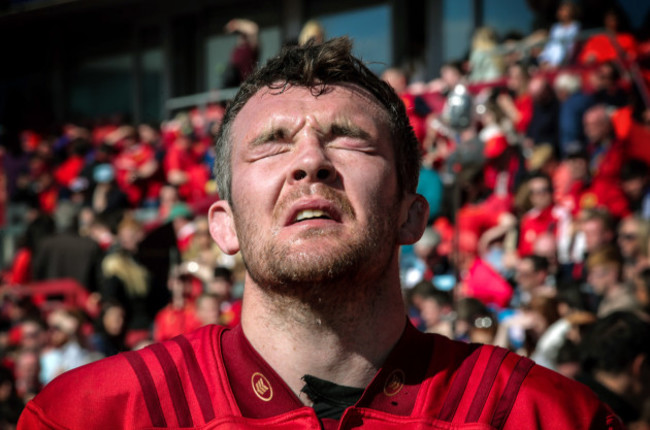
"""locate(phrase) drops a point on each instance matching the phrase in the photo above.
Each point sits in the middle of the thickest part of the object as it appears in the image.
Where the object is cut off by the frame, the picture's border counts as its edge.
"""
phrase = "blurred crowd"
(539, 237)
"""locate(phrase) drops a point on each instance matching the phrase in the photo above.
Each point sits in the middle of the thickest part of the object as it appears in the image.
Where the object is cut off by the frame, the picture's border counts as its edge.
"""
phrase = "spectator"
(244, 56)
(642, 290)
(222, 285)
(107, 198)
(601, 48)
(632, 231)
(635, 185)
(110, 335)
(135, 167)
(485, 62)
(562, 36)
(543, 126)
(614, 363)
(184, 169)
(65, 351)
(543, 216)
(606, 86)
(574, 102)
(66, 254)
(521, 330)
(516, 102)
(27, 371)
(606, 152)
(468, 309)
(531, 276)
(126, 280)
(434, 306)
(597, 227)
(208, 309)
(181, 218)
(38, 229)
(11, 405)
(604, 276)
(179, 316)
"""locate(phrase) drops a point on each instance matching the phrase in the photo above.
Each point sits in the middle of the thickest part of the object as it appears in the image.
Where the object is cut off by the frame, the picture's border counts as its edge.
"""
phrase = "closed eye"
(339, 130)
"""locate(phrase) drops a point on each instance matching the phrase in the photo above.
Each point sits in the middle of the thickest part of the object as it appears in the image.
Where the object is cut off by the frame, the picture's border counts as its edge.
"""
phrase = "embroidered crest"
(262, 387)
(394, 383)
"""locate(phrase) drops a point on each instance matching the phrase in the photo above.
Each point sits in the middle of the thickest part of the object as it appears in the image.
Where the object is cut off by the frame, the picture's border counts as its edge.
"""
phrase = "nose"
(311, 163)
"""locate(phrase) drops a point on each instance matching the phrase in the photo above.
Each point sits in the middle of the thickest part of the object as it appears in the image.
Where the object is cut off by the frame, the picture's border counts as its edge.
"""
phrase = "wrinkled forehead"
(354, 94)
(278, 106)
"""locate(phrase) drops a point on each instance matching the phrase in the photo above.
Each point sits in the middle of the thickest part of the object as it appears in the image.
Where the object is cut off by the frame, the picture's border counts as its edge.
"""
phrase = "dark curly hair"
(318, 66)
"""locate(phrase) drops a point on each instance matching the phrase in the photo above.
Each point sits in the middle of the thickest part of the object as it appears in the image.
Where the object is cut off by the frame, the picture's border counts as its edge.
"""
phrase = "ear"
(222, 227)
(638, 365)
(417, 214)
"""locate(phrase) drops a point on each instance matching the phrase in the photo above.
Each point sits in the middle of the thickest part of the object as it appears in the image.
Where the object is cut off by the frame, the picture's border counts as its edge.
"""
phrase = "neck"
(620, 384)
(346, 345)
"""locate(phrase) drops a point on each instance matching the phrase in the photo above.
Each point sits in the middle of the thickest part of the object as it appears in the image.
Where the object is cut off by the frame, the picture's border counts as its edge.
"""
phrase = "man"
(531, 275)
(317, 170)
(604, 276)
(596, 231)
(632, 233)
(615, 363)
(635, 183)
(434, 307)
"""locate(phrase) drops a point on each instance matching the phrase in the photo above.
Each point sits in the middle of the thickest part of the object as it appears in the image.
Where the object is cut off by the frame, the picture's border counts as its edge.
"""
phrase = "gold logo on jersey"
(394, 383)
(262, 387)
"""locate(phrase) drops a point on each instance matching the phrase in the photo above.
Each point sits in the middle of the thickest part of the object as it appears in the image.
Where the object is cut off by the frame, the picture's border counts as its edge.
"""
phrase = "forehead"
(337, 103)
(538, 182)
(525, 264)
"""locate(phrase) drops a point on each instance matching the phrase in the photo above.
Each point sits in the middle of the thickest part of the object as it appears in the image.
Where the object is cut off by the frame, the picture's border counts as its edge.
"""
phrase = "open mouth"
(308, 214)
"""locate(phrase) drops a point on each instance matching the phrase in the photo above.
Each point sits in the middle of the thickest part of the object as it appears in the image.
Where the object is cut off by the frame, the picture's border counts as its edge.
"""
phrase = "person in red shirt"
(184, 169)
(516, 102)
(543, 217)
(179, 316)
(135, 170)
(615, 43)
(318, 173)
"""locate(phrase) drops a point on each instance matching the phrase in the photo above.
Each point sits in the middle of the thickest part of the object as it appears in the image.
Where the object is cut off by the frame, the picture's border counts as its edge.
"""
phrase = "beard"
(331, 275)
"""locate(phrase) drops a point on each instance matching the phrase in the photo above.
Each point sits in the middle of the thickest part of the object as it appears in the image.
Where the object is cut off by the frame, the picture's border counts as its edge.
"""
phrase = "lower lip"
(313, 223)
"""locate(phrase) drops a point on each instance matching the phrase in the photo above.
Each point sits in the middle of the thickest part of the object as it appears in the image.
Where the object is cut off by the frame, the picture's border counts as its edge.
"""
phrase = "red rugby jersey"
(213, 379)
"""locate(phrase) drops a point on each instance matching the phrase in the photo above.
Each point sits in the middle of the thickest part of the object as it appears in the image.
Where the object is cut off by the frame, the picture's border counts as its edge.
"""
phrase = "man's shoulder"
(118, 389)
(494, 386)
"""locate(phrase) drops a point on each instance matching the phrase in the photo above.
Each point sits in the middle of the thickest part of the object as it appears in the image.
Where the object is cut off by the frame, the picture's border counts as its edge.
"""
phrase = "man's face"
(526, 276)
(596, 125)
(430, 311)
(314, 189)
(595, 234)
(540, 193)
(633, 188)
(628, 238)
(601, 277)
(578, 168)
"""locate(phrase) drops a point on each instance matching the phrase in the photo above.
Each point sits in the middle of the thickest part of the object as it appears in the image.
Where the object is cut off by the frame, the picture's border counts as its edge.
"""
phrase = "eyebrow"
(349, 130)
(270, 134)
(337, 129)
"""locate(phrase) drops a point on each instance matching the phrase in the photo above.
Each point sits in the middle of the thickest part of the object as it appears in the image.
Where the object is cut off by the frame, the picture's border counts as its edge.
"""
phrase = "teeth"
(310, 213)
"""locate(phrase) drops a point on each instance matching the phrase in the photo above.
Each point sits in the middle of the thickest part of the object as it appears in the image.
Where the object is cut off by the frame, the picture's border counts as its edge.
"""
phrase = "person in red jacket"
(543, 217)
(317, 174)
